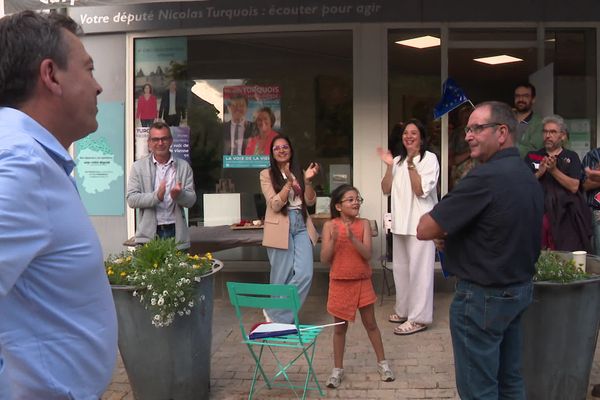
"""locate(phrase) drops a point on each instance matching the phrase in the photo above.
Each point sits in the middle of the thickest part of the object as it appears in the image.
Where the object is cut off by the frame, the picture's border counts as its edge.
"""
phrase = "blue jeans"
(485, 324)
(293, 266)
(165, 231)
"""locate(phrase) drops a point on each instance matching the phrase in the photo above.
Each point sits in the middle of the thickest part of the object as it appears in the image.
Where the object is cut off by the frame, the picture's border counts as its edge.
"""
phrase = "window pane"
(311, 73)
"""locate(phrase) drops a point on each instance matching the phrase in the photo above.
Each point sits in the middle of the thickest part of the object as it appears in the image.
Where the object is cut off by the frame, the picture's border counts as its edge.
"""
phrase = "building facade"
(337, 75)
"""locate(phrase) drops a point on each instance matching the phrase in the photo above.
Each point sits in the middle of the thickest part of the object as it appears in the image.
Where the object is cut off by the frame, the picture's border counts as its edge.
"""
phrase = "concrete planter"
(171, 362)
(560, 330)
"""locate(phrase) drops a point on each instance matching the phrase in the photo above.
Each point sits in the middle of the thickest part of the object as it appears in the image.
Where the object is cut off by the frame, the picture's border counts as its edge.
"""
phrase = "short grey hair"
(502, 113)
(558, 120)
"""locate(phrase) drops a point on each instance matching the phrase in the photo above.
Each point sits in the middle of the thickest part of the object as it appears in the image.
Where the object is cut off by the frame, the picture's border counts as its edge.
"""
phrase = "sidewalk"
(422, 362)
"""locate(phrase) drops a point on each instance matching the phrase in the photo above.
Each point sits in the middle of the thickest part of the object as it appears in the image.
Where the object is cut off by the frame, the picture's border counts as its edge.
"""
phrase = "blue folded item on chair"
(265, 330)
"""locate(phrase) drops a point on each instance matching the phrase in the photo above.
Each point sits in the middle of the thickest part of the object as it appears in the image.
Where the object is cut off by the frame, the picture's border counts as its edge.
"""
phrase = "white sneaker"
(385, 372)
(337, 374)
(267, 318)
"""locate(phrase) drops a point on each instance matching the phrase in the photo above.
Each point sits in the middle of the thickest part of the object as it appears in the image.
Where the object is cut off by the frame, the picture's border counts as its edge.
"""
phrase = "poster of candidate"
(252, 118)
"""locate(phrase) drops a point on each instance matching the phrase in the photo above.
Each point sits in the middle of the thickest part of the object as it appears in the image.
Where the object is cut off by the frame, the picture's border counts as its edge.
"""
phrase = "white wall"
(108, 52)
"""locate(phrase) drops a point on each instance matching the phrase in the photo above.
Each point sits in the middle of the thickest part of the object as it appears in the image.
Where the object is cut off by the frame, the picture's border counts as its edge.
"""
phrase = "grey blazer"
(142, 196)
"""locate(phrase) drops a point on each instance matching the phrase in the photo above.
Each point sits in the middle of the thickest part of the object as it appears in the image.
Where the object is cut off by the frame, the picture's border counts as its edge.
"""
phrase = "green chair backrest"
(263, 295)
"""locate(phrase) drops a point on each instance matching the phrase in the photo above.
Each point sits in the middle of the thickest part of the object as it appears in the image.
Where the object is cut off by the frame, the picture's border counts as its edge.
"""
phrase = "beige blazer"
(277, 226)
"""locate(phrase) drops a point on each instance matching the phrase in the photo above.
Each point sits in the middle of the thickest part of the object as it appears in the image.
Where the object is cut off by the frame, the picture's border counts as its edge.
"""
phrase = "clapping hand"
(176, 190)
(162, 188)
(311, 171)
(385, 155)
(286, 171)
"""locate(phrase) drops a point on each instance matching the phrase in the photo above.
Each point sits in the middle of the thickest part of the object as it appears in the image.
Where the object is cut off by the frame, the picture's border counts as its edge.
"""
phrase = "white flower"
(191, 304)
(180, 312)
(153, 301)
(165, 293)
(135, 293)
(187, 311)
(160, 301)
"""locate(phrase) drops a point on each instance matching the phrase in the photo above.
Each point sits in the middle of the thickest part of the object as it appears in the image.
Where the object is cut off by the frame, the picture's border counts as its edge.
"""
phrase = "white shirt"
(236, 142)
(166, 208)
(407, 207)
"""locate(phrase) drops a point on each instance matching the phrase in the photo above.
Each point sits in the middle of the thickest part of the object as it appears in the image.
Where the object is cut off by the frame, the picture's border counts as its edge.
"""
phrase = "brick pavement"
(422, 362)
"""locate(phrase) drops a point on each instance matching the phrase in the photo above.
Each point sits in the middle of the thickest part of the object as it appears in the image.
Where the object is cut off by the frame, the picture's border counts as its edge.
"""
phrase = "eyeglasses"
(550, 132)
(358, 200)
(160, 139)
(479, 128)
(281, 147)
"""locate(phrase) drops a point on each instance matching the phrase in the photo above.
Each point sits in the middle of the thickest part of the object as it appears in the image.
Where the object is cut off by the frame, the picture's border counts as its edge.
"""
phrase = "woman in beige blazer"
(288, 229)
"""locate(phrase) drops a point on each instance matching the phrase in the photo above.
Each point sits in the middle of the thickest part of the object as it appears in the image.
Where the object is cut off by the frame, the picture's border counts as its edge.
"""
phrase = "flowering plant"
(164, 277)
(550, 266)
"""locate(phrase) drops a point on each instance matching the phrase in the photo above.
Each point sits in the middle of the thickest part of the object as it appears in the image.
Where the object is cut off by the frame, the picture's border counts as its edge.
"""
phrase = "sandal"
(409, 327)
(396, 319)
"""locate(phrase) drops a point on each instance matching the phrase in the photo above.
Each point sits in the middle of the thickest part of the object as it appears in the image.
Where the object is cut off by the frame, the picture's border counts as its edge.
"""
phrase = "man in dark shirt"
(591, 184)
(491, 224)
(567, 219)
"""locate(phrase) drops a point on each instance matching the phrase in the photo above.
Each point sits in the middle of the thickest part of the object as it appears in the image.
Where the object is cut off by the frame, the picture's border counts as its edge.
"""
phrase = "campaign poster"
(160, 92)
(100, 161)
(251, 119)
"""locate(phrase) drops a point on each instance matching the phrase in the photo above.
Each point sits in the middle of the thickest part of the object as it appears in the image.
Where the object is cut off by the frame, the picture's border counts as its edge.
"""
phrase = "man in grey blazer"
(160, 186)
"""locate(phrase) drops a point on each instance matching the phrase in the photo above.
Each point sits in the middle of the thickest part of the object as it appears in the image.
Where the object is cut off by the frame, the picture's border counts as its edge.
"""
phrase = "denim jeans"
(292, 266)
(165, 231)
(485, 324)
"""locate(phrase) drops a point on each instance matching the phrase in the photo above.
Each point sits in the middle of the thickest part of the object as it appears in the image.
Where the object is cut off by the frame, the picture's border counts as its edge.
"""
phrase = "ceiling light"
(421, 42)
(502, 59)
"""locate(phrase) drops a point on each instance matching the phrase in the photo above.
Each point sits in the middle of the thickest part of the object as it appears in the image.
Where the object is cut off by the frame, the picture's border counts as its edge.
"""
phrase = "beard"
(523, 107)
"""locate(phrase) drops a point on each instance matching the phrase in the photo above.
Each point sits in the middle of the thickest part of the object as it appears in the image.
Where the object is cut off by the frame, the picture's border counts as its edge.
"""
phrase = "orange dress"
(350, 286)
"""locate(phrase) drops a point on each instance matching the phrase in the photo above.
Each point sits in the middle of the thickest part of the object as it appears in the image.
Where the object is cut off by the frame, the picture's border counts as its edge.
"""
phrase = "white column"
(370, 121)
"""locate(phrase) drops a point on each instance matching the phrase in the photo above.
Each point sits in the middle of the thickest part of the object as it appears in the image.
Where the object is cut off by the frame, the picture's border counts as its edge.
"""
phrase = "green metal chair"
(292, 347)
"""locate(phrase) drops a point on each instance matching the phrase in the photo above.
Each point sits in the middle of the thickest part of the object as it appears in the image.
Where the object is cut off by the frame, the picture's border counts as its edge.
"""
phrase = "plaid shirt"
(591, 160)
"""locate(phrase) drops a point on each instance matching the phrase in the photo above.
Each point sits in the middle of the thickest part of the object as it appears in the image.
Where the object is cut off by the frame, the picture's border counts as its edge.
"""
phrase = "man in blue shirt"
(491, 223)
(58, 333)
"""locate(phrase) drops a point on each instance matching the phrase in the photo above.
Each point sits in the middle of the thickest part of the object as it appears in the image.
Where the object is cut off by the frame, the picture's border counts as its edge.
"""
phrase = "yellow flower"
(209, 256)
(123, 274)
(155, 265)
(110, 272)
(195, 266)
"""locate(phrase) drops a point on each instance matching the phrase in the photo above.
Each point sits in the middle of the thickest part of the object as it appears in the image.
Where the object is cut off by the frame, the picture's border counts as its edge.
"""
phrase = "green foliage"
(550, 266)
(164, 276)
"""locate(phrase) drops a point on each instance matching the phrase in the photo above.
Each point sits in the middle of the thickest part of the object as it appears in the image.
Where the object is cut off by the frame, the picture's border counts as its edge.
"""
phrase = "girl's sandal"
(396, 319)
(409, 327)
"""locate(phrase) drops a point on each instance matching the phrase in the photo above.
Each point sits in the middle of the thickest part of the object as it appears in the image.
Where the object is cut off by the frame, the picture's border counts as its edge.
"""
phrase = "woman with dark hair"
(411, 179)
(288, 229)
(147, 110)
(260, 143)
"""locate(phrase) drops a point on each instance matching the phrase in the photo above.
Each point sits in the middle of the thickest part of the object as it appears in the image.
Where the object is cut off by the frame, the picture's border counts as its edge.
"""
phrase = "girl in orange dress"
(347, 248)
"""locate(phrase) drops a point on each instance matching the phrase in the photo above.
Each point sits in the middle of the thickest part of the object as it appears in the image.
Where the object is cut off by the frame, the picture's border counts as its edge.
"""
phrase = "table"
(222, 237)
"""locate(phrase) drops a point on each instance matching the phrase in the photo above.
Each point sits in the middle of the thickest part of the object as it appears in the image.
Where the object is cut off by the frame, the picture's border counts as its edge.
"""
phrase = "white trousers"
(413, 276)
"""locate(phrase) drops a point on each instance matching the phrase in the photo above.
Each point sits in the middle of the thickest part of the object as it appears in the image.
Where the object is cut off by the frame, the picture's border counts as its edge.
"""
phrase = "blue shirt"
(58, 329)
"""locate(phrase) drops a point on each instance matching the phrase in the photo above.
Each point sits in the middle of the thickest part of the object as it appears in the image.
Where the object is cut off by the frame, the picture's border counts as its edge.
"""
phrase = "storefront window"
(414, 82)
(301, 82)
(571, 55)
